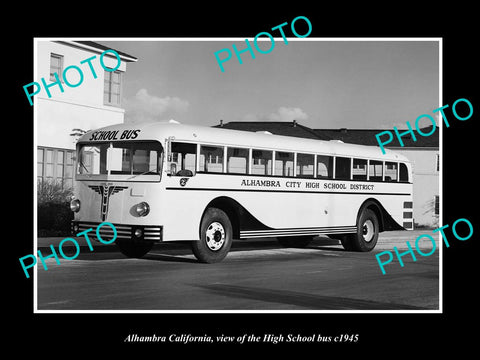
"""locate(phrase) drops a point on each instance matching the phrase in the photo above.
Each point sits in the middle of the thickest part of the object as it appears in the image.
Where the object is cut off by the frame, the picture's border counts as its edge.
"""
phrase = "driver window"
(183, 159)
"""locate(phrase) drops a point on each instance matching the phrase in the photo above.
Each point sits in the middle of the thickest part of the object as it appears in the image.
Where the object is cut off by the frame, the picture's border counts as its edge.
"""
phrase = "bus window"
(283, 163)
(237, 161)
(342, 168)
(183, 159)
(391, 171)
(211, 159)
(261, 162)
(403, 173)
(375, 170)
(359, 170)
(305, 165)
(89, 159)
(325, 166)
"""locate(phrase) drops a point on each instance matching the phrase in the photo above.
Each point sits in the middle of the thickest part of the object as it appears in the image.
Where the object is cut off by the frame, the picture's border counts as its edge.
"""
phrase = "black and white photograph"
(290, 200)
(280, 184)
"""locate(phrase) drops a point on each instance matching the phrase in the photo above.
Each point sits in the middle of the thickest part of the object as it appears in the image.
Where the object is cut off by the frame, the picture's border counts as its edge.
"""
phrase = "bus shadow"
(170, 258)
(180, 252)
(320, 243)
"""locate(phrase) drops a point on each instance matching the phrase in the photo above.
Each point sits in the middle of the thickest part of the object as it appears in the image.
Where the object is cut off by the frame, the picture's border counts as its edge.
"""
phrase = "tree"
(77, 133)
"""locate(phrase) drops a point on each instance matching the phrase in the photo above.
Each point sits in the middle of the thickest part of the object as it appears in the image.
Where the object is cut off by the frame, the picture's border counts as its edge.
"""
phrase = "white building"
(91, 98)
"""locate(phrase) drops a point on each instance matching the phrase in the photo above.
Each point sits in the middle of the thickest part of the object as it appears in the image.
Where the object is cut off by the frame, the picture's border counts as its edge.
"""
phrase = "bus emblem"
(183, 181)
(105, 191)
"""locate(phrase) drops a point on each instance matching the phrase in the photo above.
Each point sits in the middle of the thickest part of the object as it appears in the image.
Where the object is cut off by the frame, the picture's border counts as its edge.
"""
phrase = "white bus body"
(163, 181)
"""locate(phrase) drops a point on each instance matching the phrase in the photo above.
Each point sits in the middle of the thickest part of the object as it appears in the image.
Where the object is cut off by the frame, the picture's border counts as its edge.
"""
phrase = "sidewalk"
(45, 242)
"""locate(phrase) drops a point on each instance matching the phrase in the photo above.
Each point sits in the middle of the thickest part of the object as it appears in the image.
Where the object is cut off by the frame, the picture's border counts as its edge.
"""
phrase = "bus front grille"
(123, 231)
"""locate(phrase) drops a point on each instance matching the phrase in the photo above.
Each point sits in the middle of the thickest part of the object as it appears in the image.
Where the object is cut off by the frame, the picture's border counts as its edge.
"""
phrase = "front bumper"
(124, 232)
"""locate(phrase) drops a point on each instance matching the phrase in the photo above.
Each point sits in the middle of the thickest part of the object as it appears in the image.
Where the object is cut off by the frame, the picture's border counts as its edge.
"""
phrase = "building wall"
(56, 119)
(76, 107)
(426, 187)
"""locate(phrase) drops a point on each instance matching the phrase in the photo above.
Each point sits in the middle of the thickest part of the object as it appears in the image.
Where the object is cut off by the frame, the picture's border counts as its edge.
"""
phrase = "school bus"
(160, 182)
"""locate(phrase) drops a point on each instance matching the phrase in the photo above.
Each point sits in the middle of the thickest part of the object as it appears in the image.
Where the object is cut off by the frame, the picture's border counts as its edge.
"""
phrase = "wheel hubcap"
(215, 236)
(368, 230)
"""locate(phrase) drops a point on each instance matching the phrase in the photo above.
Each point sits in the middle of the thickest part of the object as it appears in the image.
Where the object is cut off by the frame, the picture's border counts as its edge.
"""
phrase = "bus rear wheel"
(295, 241)
(215, 237)
(367, 233)
(134, 249)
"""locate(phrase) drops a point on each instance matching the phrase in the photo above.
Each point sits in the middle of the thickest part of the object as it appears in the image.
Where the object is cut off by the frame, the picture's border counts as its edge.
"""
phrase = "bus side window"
(375, 170)
(403, 172)
(359, 170)
(183, 159)
(342, 168)
(211, 159)
(325, 166)
(237, 161)
(305, 165)
(391, 171)
(283, 163)
(261, 162)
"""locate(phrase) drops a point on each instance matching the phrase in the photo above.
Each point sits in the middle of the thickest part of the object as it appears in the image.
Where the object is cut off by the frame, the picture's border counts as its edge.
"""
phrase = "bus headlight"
(75, 205)
(142, 209)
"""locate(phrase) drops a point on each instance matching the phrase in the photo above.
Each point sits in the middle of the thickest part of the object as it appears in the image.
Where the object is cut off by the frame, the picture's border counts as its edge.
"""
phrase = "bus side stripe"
(298, 231)
(288, 191)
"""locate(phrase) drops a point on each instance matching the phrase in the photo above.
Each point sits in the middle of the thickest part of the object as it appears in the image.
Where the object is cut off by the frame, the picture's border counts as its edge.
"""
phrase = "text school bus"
(163, 182)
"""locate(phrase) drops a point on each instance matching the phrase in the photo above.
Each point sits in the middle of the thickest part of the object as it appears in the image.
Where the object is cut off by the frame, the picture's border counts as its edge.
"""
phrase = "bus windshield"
(120, 160)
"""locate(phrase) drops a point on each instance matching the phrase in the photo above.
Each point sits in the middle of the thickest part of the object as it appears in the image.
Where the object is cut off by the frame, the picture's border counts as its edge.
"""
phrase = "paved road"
(256, 275)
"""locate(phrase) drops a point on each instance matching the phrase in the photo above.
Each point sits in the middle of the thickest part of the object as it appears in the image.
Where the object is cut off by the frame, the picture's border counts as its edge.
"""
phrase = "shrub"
(53, 210)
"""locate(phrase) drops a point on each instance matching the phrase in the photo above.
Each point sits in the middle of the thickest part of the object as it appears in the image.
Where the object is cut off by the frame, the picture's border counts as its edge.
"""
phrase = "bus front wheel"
(367, 233)
(215, 237)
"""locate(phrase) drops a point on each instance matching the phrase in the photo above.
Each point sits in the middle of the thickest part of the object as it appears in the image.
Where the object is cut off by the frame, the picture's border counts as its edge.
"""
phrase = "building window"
(436, 202)
(49, 164)
(112, 91)
(40, 162)
(437, 167)
(68, 171)
(55, 166)
(56, 66)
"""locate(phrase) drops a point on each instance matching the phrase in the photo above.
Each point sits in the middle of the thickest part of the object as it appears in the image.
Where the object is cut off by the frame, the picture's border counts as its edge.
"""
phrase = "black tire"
(134, 249)
(347, 241)
(215, 237)
(367, 233)
(295, 241)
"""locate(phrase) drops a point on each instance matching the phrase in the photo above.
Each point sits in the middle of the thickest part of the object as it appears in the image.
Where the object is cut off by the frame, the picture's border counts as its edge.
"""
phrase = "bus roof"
(238, 138)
